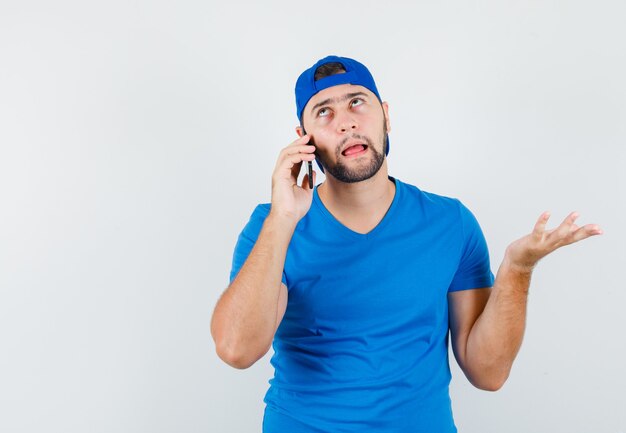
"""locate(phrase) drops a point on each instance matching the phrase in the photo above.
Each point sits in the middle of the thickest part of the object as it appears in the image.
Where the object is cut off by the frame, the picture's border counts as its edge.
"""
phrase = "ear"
(385, 106)
(299, 131)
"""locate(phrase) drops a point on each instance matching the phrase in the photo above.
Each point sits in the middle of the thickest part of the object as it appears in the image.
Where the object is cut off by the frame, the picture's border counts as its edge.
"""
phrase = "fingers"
(565, 228)
(586, 231)
(291, 157)
(531, 248)
(569, 232)
(295, 165)
(294, 162)
(298, 145)
(301, 153)
(540, 225)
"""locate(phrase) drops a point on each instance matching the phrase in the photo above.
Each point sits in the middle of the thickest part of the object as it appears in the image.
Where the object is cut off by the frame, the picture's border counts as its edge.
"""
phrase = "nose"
(346, 123)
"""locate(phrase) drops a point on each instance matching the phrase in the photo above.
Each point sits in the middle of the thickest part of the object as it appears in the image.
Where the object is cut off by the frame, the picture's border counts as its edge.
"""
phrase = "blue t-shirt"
(363, 345)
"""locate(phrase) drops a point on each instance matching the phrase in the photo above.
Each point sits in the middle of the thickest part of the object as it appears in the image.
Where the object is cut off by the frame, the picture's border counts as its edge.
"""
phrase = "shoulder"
(257, 218)
(414, 196)
(261, 210)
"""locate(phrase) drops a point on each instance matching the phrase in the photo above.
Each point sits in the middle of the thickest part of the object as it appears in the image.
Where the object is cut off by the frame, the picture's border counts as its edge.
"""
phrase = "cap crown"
(356, 73)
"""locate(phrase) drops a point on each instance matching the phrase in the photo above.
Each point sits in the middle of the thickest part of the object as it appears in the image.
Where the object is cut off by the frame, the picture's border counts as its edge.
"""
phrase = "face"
(349, 128)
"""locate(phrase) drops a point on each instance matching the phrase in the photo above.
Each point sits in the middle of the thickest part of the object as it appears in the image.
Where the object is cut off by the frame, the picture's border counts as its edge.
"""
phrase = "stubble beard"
(346, 174)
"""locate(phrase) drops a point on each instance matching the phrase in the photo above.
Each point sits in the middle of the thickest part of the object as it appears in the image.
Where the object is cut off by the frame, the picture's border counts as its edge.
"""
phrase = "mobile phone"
(309, 163)
(310, 166)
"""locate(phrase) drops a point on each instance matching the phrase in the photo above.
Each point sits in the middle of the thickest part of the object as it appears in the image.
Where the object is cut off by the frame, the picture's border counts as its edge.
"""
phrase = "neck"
(359, 205)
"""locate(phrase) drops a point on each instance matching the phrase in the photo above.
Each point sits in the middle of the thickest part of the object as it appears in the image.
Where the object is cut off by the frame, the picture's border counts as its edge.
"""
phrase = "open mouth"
(356, 149)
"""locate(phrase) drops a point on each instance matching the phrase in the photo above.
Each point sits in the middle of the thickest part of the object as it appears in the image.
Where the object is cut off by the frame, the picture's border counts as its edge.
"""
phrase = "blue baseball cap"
(356, 74)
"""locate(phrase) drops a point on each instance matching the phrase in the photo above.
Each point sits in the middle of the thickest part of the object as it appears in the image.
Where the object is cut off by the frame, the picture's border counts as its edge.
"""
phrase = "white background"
(137, 137)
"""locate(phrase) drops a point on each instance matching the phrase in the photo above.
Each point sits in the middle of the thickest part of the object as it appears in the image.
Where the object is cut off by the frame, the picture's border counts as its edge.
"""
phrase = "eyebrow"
(335, 100)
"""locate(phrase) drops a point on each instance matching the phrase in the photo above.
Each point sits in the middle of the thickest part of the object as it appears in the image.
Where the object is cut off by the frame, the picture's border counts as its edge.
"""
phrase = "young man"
(358, 281)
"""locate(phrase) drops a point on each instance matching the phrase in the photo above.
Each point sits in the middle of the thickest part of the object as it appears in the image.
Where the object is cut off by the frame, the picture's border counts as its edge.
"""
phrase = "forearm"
(244, 320)
(487, 346)
(496, 337)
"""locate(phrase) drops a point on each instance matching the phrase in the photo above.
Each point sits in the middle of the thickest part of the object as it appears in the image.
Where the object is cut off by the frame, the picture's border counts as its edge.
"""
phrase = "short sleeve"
(247, 238)
(474, 269)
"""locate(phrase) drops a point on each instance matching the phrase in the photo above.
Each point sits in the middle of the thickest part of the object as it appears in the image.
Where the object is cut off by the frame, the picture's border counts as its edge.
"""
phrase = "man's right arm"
(248, 313)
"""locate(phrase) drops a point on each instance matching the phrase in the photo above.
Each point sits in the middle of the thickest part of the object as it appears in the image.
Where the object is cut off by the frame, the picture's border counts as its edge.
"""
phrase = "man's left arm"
(487, 325)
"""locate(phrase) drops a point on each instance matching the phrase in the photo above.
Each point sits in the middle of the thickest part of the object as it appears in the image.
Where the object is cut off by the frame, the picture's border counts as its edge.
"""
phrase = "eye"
(322, 112)
(356, 102)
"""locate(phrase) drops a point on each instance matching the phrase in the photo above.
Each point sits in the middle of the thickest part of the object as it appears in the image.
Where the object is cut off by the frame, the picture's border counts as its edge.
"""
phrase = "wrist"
(517, 264)
(282, 220)
(514, 276)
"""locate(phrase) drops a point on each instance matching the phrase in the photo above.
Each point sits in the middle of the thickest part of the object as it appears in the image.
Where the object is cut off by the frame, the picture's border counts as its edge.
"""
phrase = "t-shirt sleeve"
(247, 238)
(474, 269)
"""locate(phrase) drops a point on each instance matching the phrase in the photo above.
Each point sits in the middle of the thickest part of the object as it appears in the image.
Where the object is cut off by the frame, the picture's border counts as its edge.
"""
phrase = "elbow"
(225, 345)
(237, 354)
(490, 381)
(233, 358)
(490, 385)
(487, 377)
(228, 351)
(237, 350)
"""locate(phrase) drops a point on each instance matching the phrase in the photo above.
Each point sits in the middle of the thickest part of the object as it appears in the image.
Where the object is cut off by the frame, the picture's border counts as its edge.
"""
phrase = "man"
(358, 281)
